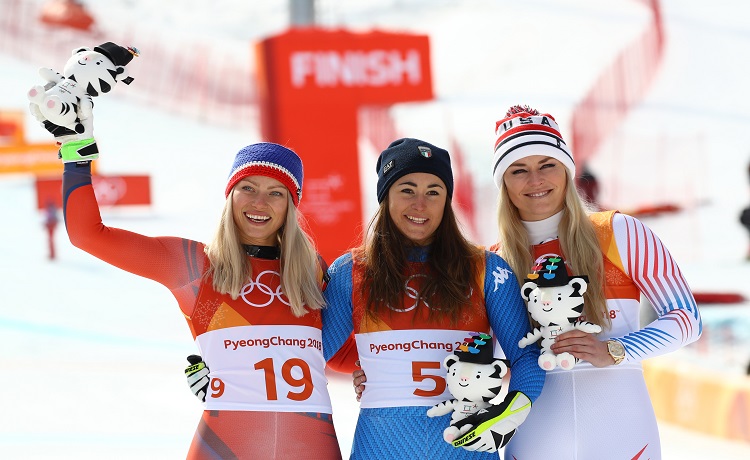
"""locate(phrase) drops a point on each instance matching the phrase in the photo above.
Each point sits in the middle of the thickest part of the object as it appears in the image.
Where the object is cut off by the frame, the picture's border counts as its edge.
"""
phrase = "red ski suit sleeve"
(177, 263)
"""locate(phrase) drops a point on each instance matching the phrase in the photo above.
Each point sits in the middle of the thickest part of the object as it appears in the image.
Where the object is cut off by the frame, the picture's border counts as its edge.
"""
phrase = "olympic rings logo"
(264, 289)
(413, 293)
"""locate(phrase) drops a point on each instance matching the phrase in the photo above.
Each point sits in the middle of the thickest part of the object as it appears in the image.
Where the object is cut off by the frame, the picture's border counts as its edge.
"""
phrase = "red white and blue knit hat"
(525, 132)
(269, 160)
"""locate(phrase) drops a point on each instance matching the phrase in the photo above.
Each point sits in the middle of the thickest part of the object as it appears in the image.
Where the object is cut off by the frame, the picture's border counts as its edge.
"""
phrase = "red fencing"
(618, 88)
(215, 81)
(211, 80)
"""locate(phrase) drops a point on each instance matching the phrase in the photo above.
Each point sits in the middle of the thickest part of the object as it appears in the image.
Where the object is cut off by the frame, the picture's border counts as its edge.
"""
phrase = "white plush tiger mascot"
(64, 103)
(555, 301)
(475, 380)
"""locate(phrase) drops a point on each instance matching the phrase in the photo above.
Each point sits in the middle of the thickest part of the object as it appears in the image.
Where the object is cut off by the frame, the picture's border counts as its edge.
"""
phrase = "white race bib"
(276, 368)
(405, 367)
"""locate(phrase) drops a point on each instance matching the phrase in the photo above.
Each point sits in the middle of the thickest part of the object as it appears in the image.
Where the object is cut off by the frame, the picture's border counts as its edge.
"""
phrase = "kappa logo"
(500, 275)
(425, 151)
(388, 166)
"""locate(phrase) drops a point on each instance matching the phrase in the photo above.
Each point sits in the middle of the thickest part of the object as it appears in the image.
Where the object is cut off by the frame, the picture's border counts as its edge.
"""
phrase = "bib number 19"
(303, 380)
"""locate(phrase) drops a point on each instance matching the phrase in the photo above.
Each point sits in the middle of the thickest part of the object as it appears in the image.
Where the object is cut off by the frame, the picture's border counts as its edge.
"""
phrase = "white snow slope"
(92, 356)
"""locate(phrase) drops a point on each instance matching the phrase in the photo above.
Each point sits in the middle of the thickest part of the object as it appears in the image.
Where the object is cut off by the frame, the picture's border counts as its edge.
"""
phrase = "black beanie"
(551, 271)
(477, 349)
(406, 156)
(119, 55)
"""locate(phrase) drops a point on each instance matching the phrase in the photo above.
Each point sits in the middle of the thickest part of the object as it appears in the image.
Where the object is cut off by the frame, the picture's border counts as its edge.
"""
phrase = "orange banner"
(37, 159)
(30, 158)
(18, 156)
(692, 397)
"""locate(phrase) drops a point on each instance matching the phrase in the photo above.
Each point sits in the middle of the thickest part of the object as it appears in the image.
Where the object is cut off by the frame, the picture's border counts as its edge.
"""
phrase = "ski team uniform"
(402, 354)
(590, 413)
(268, 396)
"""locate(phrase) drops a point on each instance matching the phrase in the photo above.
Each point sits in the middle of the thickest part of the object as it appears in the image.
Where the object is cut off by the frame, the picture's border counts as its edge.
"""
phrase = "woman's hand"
(358, 379)
(583, 346)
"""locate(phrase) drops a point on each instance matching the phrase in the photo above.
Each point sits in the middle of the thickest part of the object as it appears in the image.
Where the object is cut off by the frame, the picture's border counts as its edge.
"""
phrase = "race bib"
(405, 367)
(266, 368)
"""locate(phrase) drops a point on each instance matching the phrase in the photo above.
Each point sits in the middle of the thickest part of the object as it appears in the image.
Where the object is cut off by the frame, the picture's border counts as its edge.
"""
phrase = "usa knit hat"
(269, 160)
(525, 132)
(406, 156)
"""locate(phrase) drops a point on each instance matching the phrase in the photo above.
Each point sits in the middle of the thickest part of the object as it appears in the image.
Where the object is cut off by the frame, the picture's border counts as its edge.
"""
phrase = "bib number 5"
(420, 371)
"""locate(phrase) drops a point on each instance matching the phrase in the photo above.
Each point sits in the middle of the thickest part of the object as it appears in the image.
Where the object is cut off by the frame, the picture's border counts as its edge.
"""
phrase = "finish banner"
(311, 85)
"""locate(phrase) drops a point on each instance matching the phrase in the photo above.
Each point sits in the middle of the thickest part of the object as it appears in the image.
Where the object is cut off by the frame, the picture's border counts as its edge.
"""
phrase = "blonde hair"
(300, 266)
(578, 241)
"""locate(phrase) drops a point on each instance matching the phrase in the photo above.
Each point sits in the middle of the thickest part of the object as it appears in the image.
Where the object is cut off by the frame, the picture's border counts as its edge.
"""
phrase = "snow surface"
(93, 359)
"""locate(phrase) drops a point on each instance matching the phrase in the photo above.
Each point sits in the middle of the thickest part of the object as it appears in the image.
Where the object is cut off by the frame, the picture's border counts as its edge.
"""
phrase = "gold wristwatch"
(616, 351)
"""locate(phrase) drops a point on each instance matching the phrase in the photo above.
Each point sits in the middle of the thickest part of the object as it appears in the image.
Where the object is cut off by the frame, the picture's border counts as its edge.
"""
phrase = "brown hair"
(452, 265)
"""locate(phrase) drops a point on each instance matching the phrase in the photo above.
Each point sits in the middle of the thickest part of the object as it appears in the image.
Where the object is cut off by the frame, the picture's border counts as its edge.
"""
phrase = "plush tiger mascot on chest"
(555, 301)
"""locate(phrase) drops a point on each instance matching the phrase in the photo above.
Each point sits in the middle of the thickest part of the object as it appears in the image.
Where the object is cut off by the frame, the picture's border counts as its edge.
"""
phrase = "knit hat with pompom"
(525, 132)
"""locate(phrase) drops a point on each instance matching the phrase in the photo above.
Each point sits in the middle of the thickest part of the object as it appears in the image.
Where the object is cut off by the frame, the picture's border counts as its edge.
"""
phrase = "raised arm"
(173, 262)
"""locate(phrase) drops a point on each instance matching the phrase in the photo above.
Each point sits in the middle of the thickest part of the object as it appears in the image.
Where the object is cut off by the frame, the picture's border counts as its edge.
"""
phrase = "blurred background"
(650, 94)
